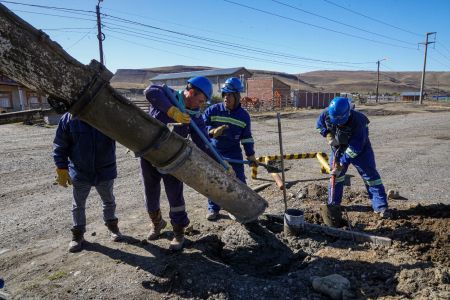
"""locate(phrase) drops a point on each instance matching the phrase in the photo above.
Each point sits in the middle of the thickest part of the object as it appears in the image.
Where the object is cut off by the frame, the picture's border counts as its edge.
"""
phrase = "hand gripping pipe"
(195, 127)
(28, 56)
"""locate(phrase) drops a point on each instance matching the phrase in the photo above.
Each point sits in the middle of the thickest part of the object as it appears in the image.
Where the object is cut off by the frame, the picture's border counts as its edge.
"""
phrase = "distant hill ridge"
(332, 81)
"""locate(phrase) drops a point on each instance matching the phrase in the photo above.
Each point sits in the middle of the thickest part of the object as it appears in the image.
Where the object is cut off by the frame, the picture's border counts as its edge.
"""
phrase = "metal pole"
(422, 84)
(100, 35)
(283, 178)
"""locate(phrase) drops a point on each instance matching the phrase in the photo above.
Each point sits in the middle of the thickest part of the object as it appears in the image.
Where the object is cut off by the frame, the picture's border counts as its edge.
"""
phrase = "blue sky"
(282, 35)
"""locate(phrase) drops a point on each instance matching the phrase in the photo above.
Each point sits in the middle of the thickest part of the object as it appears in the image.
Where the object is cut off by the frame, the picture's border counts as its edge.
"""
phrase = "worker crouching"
(347, 132)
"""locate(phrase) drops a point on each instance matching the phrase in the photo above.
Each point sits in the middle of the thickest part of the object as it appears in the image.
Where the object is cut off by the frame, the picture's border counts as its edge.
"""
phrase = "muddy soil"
(223, 259)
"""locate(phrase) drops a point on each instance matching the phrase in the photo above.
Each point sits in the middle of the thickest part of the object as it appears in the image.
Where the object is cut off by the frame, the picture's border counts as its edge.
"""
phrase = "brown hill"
(139, 78)
(333, 81)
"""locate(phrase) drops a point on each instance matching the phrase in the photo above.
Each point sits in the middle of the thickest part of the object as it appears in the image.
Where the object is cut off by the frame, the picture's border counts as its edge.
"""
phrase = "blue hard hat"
(203, 84)
(339, 110)
(232, 85)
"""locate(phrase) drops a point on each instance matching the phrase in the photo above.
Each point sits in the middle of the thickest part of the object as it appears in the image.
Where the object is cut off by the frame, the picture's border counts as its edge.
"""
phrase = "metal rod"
(283, 178)
(196, 128)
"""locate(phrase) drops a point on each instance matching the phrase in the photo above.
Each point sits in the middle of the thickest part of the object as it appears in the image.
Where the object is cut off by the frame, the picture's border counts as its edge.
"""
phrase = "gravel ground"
(411, 146)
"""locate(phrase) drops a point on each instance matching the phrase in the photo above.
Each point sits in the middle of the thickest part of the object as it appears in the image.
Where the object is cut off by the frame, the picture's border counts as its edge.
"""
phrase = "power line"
(255, 50)
(443, 46)
(342, 23)
(440, 62)
(205, 39)
(82, 38)
(184, 26)
(149, 47)
(317, 26)
(65, 28)
(50, 7)
(388, 67)
(235, 45)
(207, 49)
(370, 18)
(52, 15)
(441, 54)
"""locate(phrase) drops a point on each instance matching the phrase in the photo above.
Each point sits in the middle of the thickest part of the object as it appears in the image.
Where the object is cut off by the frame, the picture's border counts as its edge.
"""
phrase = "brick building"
(270, 91)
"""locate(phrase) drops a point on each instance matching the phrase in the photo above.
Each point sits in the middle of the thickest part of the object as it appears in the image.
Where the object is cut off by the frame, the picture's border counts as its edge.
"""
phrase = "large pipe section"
(28, 56)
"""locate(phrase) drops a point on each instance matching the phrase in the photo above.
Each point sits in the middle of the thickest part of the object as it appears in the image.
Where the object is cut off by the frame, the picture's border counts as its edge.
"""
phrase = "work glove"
(337, 170)
(253, 161)
(62, 177)
(332, 140)
(178, 116)
(229, 168)
(216, 132)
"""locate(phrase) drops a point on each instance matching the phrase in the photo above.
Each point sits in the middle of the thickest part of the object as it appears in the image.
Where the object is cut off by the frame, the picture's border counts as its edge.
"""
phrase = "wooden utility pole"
(424, 65)
(100, 34)
(378, 77)
(378, 80)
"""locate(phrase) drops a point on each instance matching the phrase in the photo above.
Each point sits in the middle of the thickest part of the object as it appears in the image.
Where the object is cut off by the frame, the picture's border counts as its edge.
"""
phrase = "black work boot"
(157, 225)
(178, 238)
(77, 240)
(114, 231)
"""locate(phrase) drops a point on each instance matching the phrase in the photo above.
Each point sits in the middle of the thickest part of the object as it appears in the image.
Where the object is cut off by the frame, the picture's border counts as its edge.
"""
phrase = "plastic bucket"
(293, 221)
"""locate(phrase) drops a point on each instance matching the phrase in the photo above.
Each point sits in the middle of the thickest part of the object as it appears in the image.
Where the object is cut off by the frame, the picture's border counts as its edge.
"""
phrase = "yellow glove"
(178, 116)
(216, 132)
(332, 140)
(62, 177)
(253, 160)
(229, 168)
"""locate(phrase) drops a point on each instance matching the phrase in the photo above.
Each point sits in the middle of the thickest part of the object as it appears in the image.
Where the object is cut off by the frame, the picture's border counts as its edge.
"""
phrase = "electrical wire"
(205, 39)
(342, 23)
(441, 54)
(84, 36)
(211, 50)
(65, 28)
(50, 7)
(256, 50)
(440, 62)
(218, 41)
(371, 18)
(317, 26)
(443, 46)
(53, 15)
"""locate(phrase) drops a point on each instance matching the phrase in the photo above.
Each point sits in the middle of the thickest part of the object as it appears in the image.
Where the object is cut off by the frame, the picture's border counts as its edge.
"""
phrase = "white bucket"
(293, 221)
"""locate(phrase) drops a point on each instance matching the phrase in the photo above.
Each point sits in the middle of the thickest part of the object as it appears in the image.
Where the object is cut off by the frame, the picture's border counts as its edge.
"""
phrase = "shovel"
(332, 214)
(269, 168)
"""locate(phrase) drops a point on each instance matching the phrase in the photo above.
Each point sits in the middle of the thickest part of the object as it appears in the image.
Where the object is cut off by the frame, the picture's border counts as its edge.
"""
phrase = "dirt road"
(411, 146)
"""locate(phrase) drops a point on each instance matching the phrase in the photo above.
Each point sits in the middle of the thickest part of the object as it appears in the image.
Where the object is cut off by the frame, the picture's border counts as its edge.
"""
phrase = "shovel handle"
(196, 128)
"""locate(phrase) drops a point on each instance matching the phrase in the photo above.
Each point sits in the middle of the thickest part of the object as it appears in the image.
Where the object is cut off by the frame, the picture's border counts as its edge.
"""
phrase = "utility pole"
(100, 35)
(424, 65)
(378, 77)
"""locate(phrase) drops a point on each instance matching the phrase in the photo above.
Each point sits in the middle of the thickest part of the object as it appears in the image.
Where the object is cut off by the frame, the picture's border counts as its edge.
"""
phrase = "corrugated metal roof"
(410, 94)
(205, 73)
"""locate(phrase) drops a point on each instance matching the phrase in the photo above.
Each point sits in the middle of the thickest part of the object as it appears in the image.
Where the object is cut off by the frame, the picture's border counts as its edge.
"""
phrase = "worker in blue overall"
(86, 158)
(228, 125)
(198, 90)
(347, 132)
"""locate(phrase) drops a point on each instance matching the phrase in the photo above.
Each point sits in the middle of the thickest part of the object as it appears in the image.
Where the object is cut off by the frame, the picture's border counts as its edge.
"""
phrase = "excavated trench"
(261, 249)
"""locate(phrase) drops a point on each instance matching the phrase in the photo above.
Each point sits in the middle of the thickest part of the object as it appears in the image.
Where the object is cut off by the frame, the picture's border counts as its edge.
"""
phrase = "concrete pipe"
(28, 56)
